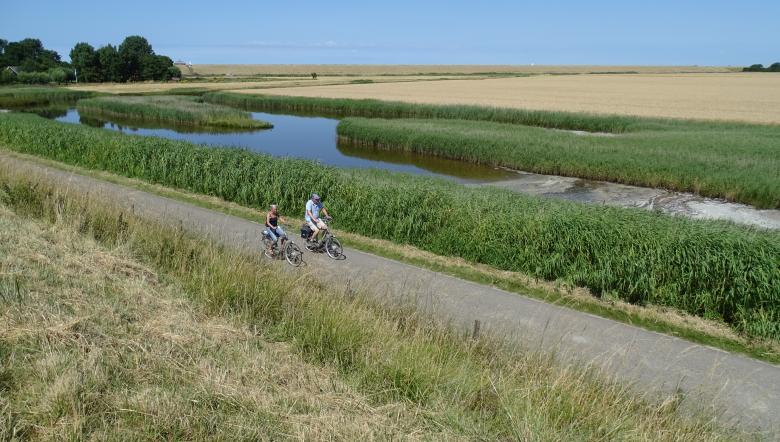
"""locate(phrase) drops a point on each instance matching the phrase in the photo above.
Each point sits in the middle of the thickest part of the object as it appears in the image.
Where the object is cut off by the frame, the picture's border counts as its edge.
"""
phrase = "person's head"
(315, 197)
(273, 208)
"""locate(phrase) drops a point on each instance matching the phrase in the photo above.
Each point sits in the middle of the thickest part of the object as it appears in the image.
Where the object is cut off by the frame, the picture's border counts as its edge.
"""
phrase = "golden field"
(269, 82)
(748, 97)
(409, 69)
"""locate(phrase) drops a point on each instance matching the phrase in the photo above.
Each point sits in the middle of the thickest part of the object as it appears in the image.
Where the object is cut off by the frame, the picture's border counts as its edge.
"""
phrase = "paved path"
(747, 391)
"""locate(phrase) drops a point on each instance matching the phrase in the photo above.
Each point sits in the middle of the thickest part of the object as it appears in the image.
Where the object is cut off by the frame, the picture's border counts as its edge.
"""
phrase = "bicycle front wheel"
(333, 248)
(293, 254)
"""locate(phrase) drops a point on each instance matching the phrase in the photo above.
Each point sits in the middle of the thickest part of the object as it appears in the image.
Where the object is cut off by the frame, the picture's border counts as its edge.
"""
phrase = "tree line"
(27, 61)
(774, 67)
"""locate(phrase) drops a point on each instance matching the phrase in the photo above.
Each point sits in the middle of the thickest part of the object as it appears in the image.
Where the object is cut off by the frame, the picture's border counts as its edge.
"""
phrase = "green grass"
(736, 162)
(90, 382)
(343, 107)
(15, 97)
(178, 110)
(710, 269)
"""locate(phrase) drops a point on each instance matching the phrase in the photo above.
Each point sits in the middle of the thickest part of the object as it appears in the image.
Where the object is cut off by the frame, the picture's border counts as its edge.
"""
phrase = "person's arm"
(268, 219)
(325, 211)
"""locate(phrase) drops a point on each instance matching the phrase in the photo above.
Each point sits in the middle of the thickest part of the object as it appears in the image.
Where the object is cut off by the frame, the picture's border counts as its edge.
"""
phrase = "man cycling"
(313, 209)
(272, 226)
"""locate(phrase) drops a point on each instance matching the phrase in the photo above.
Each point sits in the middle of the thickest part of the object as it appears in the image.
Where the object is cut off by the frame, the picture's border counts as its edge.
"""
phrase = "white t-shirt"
(314, 208)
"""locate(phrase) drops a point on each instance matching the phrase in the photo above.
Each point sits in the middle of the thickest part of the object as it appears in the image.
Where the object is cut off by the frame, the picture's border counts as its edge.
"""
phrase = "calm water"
(303, 137)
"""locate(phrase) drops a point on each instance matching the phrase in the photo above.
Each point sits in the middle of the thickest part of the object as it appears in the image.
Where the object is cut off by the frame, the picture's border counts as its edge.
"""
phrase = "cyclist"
(313, 209)
(275, 231)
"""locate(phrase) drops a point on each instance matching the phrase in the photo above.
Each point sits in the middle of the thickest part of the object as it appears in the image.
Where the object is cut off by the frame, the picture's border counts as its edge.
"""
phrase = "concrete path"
(746, 391)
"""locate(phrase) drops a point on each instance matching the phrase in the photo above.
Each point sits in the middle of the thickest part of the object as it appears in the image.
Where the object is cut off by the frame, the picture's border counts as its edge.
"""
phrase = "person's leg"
(322, 227)
(272, 236)
(314, 229)
(281, 234)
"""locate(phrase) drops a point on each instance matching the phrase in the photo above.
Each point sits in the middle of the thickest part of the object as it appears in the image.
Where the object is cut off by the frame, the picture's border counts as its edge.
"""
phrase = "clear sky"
(659, 32)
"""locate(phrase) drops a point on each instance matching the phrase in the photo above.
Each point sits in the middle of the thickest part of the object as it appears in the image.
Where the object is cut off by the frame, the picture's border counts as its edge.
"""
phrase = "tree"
(111, 67)
(58, 75)
(774, 67)
(30, 55)
(754, 68)
(133, 51)
(85, 60)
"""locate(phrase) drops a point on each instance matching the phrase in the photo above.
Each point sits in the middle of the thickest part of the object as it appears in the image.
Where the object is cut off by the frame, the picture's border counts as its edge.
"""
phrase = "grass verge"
(709, 269)
(179, 110)
(96, 345)
(461, 387)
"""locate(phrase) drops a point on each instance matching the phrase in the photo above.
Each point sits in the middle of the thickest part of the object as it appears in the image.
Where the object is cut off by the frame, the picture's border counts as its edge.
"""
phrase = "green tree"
(111, 66)
(30, 55)
(133, 51)
(155, 67)
(754, 68)
(58, 75)
(85, 60)
(774, 67)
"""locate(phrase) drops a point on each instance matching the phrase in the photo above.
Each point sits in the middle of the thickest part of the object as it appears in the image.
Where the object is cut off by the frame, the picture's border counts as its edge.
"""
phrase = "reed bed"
(396, 109)
(731, 161)
(15, 97)
(178, 110)
(148, 370)
(710, 269)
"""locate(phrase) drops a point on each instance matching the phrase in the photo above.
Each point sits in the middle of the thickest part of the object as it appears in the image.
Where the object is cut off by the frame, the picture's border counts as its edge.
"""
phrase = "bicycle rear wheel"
(293, 254)
(333, 248)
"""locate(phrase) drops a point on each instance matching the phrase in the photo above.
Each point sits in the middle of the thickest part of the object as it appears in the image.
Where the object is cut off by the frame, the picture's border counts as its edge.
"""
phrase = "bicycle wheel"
(293, 254)
(333, 248)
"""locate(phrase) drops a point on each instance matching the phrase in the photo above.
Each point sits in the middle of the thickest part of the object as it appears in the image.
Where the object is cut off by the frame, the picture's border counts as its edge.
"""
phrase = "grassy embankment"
(735, 161)
(15, 97)
(190, 355)
(178, 110)
(709, 269)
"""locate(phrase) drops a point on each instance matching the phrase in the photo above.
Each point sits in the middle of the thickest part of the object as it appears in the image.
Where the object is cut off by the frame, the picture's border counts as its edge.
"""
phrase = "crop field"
(38, 96)
(710, 269)
(428, 69)
(216, 345)
(180, 110)
(747, 97)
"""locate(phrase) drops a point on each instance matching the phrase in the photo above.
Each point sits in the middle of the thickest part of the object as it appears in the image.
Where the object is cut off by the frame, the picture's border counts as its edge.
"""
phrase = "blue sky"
(416, 32)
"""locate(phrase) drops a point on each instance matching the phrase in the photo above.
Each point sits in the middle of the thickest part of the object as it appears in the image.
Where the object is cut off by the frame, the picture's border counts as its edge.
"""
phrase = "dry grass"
(101, 348)
(750, 97)
(408, 69)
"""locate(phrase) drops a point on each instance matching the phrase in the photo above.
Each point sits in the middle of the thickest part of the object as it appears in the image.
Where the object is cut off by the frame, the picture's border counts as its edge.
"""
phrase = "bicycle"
(290, 251)
(329, 244)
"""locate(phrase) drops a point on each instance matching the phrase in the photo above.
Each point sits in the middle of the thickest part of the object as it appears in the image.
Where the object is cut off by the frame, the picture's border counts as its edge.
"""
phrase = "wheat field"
(410, 69)
(748, 97)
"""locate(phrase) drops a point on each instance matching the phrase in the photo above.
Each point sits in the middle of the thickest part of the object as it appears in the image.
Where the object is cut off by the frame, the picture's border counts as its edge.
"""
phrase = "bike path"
(745, 391)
